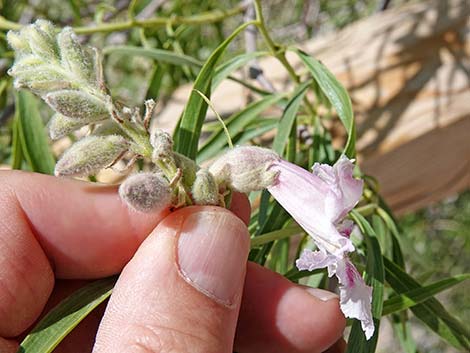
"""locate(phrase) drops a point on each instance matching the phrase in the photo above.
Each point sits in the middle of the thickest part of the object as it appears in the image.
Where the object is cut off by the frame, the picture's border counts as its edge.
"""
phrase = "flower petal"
(312, 260)
(344, 190)
(355, 296)
(351, 187)
(305, 195)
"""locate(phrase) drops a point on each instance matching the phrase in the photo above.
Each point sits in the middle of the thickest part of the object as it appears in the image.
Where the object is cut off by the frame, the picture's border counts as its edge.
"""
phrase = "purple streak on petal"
(305, 196)
(345, 228)
(355, 296)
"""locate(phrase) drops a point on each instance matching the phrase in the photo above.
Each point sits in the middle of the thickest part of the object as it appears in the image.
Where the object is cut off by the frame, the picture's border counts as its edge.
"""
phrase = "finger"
(279, 316)
(83, 229)
(181, 292)
(339, 347)
(8, 346)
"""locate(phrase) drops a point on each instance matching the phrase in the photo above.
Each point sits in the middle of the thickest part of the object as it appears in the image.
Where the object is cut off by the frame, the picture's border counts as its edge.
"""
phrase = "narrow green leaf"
(235, 125)
(33, 137)
(288, 117)
(386, 215)
(431, 312)
(256, 129)
(374, 276)
(61, 320)
(418, 295)
(279, 256)
(337, 95)
(155, 83)
(160, 55)
(227, 68)
(16, 149)
(194, 113)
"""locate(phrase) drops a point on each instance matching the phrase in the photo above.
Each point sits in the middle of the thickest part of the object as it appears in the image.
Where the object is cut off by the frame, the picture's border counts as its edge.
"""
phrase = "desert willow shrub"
(68, 77)
(331, 203)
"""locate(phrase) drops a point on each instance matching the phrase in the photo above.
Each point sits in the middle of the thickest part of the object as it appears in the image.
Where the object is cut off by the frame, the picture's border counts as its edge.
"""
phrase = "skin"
(58, 234)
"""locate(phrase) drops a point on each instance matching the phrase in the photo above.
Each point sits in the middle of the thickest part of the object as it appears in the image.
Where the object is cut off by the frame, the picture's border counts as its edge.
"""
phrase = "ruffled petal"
(355, 296)
(351, 187)
(344, 191)
(312, 260)
(305, 196)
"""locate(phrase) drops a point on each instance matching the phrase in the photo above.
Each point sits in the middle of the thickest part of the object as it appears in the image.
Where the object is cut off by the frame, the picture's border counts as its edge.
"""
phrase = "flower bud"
(245, 169)
(78, 105)
(26, 63)
(146, 192)
(60, 125)
(162, 144)
(46, 26)
(75, 57)
(40, 79)
(205, 190)
(108, 127)
(18, 43)
(91, 154)
(188, 166)
(41, 43)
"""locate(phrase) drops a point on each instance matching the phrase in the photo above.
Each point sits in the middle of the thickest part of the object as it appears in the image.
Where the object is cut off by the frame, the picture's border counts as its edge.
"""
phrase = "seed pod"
(78, 105)
(91, 154)
(162, 144)
(41, 43)
(205, 190)
(60, 125)
(245, 169)
(75, 57)
(146, 192)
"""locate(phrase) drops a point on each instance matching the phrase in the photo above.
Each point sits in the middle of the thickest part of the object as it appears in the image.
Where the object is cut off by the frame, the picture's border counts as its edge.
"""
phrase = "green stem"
(278, 52)
(200, 19)
(276, 235)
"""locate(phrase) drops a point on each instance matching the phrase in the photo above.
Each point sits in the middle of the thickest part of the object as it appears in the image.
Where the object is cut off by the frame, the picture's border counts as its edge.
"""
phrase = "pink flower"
(319, 201)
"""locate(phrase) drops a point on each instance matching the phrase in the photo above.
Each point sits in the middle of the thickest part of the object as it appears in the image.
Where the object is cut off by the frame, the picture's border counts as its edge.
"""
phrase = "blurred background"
(406, 65)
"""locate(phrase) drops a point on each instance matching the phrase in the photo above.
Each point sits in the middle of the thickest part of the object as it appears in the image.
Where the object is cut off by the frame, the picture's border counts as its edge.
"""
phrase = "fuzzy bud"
(91, 154)
(40, 79)
(41, 43)
(47, 27)
(78, 105)
(188, 166)
(60, 125)
(245, 169)
(146, 192)
(162, 144)
(18, 43)
(75, 57)
(205, 190)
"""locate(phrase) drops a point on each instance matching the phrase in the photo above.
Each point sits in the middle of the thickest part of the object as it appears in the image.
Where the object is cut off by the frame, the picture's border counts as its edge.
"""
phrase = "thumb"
(181, 292)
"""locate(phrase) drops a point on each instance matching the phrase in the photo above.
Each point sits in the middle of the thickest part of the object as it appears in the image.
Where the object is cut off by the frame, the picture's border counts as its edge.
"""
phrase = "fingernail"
(212, 254)
(321, 294)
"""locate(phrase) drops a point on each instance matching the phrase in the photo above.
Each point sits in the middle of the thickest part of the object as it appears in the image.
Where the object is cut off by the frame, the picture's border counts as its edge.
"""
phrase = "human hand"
(181, 288)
